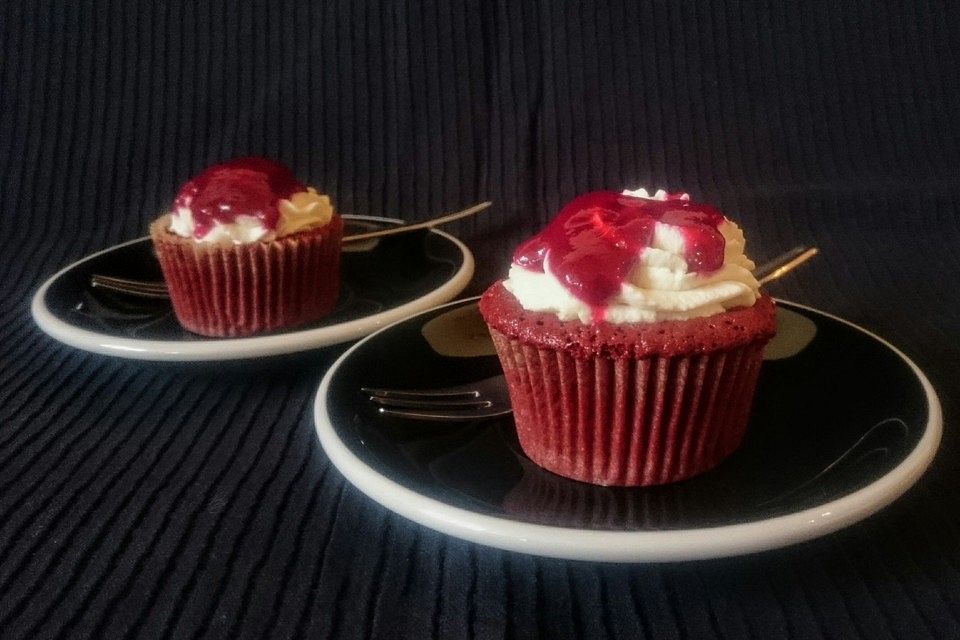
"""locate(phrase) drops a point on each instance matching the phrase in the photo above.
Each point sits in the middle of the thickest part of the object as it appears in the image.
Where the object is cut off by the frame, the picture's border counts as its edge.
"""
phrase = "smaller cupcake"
(247, 248)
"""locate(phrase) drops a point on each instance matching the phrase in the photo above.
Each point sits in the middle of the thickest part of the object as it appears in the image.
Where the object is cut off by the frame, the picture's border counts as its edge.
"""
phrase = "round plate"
(382, 281)
(843, 423)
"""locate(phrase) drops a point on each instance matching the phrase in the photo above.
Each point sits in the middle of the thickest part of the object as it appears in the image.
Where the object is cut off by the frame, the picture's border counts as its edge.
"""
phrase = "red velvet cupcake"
(248, 249)
(631, 333)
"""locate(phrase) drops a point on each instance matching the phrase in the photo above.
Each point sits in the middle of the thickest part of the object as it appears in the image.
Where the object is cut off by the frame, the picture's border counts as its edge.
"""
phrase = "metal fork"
(475, 401)
(489, 398)
(158, 289)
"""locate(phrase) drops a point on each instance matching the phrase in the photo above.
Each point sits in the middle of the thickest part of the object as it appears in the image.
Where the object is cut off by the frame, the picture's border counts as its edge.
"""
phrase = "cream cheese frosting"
(659, 286)
(301, 211)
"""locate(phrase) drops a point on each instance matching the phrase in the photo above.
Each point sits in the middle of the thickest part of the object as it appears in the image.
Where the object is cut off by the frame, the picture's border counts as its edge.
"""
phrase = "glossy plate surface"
(843, 424)
(383, 281)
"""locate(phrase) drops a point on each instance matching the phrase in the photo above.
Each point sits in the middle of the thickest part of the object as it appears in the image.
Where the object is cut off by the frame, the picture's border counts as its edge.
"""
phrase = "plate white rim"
(241, 348)
(635, 546)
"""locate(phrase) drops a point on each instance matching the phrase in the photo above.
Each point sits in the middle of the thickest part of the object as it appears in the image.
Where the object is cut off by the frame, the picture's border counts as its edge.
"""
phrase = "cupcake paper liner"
(238, 290)
(629, 421)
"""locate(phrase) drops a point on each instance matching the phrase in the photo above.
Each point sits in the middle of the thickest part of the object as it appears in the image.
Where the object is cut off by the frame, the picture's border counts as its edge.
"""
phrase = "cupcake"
(631, 332)
(247, 248)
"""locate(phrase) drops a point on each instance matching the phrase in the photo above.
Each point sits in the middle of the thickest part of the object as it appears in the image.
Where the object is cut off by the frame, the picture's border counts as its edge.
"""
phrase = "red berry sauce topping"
(240, 187)
(598, 237)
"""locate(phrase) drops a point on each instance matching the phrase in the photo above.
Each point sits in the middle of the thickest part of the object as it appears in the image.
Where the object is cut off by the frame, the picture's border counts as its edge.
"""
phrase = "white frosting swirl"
(301, 211)
(659, 287)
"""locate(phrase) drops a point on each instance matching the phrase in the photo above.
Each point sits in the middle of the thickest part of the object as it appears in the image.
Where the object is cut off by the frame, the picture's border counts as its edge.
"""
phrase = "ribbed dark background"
(141, 500)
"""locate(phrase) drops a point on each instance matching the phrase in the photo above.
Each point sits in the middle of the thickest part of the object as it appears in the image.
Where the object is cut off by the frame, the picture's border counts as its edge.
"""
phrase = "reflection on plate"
(843, 423)
(382, 281)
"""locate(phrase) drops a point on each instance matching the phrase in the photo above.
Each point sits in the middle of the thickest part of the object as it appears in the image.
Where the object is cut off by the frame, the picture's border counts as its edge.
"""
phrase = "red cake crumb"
(630, 340)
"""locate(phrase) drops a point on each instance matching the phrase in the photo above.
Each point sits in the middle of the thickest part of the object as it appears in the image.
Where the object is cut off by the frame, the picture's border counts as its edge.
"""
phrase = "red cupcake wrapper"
(629, 422)
(238, 290)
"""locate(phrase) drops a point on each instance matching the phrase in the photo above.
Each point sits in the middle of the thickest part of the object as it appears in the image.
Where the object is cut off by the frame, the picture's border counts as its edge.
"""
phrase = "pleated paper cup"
(629, 422)
(231, 290)
(629, 406)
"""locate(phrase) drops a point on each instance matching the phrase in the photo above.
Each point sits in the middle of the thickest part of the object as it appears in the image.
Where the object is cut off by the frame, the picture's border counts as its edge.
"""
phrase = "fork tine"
(450, 393)
(132, 287)
(430, 404)
(473, 401)
(445, 416)
(138, 284)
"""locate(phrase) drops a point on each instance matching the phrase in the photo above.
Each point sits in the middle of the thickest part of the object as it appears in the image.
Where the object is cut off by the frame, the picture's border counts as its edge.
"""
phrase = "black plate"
(835, 412)
(419, 269)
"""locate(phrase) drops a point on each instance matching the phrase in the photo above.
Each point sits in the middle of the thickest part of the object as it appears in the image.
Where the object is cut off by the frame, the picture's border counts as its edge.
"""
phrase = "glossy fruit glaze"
(240, 187)
(598, 237)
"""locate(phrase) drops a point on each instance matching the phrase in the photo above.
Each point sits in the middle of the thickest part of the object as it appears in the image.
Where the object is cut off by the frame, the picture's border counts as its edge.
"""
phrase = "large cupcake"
(247, 248)
(631, 332)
